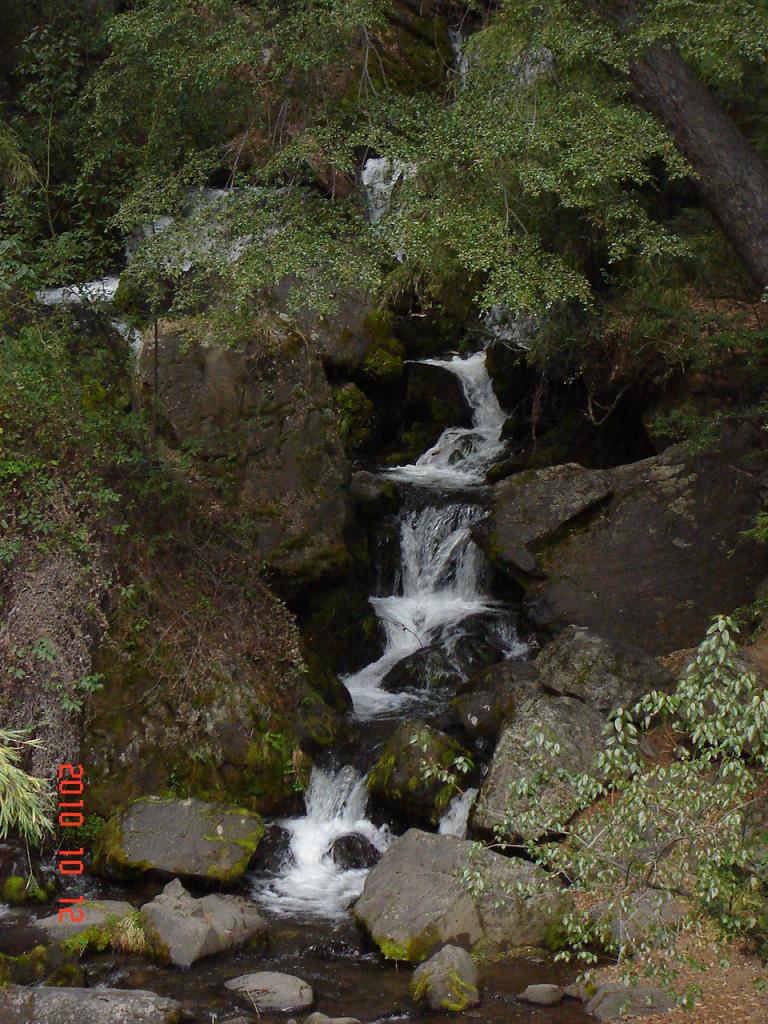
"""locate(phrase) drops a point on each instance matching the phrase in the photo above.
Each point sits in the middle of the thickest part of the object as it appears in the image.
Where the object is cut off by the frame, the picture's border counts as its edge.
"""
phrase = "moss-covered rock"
(399, 778)
(447, 981)
(17, 890)
(187, 838)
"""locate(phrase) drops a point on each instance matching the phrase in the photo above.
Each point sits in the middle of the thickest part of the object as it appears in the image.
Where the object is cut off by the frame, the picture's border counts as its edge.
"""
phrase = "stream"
(441, 585)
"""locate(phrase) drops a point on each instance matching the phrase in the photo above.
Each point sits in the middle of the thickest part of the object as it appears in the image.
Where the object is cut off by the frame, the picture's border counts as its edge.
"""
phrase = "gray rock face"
(22, 1005)
(269, 990)
(96, 914)
(531, 507)
(574, 725)
(181, 929)
(267, 406)
(542, 995)
(579, 663)
(616, 1001)
(413, 901)
(189, 837)
(640, 553)
(447, 981)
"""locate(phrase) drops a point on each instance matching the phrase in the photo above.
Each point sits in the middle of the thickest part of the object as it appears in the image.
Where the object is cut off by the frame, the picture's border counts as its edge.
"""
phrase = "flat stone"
(187, 838)
(616, 1001)
(542, 995)
(23, 1005)
(182, 929)
(96, 914)
(270, 990)
(447, 981)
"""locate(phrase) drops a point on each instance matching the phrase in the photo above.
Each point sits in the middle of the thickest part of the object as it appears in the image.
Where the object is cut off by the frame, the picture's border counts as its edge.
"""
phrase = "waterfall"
(462, 455)
(454, 821)
(442, 581)
(311, 883)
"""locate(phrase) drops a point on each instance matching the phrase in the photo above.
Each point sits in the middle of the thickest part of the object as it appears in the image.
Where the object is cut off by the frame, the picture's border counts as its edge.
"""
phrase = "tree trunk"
(732, 175)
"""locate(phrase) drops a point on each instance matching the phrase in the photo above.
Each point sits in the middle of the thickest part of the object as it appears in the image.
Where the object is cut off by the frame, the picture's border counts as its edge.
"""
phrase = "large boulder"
(265, 409)
(190, 838)
(575, 726)
(396, 777)
(22, 1005)
(414, 900)
(447, 981)
(181, 929)
(645, 553)
(270, 990)
(579, 663)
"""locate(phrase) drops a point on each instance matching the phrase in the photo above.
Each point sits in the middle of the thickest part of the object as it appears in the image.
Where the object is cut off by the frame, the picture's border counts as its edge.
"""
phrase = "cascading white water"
(454, 821)
(462, 455)
(441, 583)
(441, 573)
(311, 883)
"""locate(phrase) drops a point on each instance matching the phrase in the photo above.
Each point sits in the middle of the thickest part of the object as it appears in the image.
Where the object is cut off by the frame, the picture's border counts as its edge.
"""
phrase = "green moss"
(385, 357)
(355, 418)
(28, 968)
(16, 891)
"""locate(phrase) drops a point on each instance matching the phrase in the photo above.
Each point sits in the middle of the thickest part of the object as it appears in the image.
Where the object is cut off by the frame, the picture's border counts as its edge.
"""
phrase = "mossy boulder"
(447, 981)
(188, 838)
(397, 777)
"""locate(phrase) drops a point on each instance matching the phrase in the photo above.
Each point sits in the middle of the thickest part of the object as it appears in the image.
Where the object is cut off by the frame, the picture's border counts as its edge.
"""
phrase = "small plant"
(25, 801)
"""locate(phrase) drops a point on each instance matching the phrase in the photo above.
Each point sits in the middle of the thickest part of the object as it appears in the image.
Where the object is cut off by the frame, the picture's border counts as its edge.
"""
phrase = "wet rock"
(542, 995)
(181, 929)
(97, 914)
(414, 902)
(447, 981)
(579, 663)
(616, 1001)
(434, 395)
(426, 669)
(269, 990)
(274, 850)
(644, 554)
(86, 1006)
(190, 838)
(501, 689)
(374, 495)
(266, 406)
(354, 851)
(396, 778)
(574, 725)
